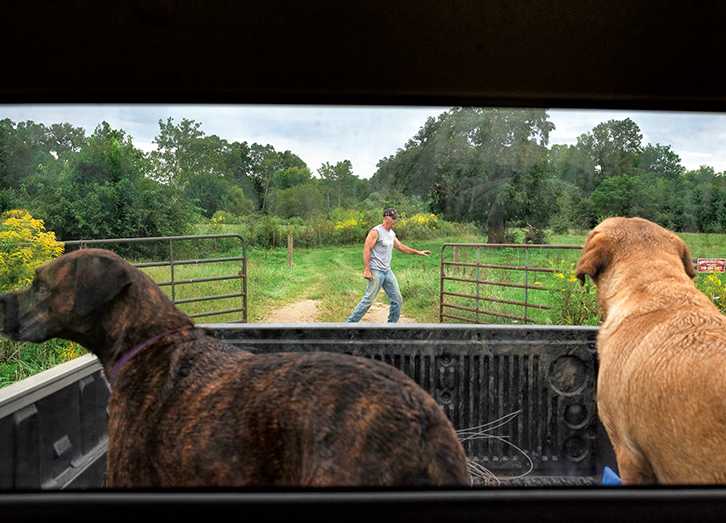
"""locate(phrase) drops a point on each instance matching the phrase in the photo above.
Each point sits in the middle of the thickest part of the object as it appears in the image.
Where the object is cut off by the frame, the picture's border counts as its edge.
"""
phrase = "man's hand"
(367, 274)
(425, 253)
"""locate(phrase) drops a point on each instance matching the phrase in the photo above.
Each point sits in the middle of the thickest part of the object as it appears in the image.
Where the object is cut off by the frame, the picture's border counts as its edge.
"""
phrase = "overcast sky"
(364, 135)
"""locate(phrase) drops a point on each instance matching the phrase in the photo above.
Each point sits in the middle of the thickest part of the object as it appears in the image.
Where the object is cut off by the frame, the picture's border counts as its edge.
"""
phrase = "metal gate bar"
(241, 275)
(479, 282)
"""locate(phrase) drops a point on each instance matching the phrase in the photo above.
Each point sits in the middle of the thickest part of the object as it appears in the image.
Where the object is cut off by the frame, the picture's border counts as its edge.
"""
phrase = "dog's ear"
(595, 257)
(97, 281)
(685, 257)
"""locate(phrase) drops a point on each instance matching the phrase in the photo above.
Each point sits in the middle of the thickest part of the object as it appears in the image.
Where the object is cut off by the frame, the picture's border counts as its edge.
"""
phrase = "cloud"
(697, 138)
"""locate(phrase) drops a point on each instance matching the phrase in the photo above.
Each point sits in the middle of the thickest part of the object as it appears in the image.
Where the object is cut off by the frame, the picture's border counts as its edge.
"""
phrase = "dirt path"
(306, 311)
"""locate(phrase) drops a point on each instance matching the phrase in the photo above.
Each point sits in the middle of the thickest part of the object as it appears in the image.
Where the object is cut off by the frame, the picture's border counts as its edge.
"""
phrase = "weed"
(712, 285)
(22, 360)
(572, 303)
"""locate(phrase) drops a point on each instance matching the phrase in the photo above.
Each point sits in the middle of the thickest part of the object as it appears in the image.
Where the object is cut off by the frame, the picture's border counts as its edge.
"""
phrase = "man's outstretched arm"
(408, 250)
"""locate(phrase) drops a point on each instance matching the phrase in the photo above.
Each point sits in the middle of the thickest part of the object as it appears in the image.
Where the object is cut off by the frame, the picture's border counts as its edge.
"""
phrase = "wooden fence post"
(289, 250)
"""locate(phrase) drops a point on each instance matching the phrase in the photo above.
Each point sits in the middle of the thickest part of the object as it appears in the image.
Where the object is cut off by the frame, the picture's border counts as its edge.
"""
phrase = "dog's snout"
(9, 315)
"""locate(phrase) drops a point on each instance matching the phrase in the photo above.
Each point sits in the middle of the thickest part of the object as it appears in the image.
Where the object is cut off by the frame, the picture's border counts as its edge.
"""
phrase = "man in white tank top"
(377, 254)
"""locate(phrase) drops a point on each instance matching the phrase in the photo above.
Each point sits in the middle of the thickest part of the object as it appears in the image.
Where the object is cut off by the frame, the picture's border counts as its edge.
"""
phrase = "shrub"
(343, 227)
(572, 303)
(712, 285)
(560, 225)
(419, 226)
(351, 226)
(24, 245)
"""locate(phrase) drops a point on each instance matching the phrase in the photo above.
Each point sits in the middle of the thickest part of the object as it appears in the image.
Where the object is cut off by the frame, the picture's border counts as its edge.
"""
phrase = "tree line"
(102, 186)
(493, 168)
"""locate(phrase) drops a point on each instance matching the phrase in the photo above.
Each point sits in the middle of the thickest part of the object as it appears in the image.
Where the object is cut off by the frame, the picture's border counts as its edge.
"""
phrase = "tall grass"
(22, 360)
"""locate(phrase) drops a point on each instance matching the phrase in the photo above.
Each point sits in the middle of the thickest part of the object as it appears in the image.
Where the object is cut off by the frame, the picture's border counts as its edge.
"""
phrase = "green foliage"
(265, 163)
(22, 360)
(24, 246)
(183, 151)
(102, 192)
(344, 227)
(351, 226)
(207, 192)
(564, 217)
(417, 226)
(339, 185)
(236, 203)
(303, 201)
(486, 166)
(291, 177)
(613, 196)
(712, 285)
(571, 302)
(613, 147)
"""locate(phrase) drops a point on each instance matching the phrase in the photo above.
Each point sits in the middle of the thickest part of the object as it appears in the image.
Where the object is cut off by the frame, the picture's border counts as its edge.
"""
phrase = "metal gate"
(466, 295)
(172, 263)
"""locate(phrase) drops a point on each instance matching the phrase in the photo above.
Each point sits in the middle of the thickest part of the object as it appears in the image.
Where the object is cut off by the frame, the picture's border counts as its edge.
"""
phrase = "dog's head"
(64, 293)
(618, 238)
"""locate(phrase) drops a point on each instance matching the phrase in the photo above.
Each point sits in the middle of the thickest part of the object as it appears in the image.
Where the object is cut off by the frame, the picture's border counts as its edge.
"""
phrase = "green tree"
(206, 191)
(103, 193)
(183, 151)
(661, 161)
(339, 183)
(290, 177)
(566, 169)
(236, 203)
(704, 202)
(413, 171)
(32, 156)
(613, 197)
(303, 201)
(474, 164)
(240, 167)
(663, 180)
(613, 149)
(264, 163)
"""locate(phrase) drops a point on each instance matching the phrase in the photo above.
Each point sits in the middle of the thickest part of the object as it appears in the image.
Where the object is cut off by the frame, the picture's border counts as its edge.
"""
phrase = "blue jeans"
(387, 280)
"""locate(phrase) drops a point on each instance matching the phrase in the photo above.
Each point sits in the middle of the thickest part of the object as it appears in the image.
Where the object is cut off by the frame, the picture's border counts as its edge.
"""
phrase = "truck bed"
(521, 397)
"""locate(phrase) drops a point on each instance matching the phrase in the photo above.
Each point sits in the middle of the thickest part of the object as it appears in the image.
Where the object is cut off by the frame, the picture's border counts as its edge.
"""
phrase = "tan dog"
(189, 411)
(662, 349)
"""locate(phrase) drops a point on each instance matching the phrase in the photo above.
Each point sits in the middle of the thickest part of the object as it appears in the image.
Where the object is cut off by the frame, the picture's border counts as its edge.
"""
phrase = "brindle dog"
(187, 410)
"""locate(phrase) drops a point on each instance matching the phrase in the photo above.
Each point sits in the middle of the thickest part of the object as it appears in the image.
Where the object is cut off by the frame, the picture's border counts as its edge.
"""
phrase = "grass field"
(333, 275)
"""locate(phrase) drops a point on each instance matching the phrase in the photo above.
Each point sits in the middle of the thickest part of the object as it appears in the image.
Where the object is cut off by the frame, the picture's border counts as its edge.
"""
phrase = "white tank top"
(382, 251)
